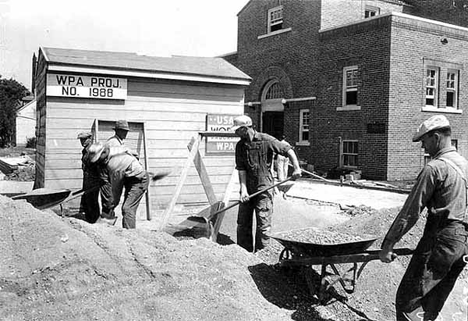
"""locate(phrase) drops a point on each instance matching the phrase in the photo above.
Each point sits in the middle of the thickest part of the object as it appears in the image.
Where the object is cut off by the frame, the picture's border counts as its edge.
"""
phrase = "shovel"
(210, 212)
(43, 198)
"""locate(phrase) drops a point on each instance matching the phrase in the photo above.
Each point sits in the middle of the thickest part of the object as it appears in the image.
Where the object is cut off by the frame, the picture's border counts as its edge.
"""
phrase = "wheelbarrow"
(305, 254)
(44, 198)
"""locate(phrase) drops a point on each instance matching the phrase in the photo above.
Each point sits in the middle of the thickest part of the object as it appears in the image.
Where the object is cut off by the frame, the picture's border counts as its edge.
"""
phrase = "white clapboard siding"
(172, 113)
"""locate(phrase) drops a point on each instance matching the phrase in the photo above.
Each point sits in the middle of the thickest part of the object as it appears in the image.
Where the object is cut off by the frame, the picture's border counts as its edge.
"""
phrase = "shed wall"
(172, 113)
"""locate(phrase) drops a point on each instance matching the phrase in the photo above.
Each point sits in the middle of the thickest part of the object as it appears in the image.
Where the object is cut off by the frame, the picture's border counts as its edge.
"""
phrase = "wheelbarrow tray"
(43, 198)
(324, 250)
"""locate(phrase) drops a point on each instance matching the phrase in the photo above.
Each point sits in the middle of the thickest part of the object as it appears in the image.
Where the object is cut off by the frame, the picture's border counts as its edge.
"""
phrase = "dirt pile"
(54, 268)
(66, 269)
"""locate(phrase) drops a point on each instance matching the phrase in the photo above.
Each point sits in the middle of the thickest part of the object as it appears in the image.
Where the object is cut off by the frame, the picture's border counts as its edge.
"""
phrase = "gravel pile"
(316, 236)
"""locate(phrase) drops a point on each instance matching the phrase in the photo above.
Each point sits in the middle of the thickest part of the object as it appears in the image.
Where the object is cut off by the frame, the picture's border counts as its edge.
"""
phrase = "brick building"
(348, 81)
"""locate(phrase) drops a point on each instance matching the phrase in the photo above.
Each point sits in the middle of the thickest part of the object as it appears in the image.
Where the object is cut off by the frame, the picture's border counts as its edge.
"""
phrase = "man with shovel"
(440, 256)
(121, 130)
(254, 156)
(124, 171)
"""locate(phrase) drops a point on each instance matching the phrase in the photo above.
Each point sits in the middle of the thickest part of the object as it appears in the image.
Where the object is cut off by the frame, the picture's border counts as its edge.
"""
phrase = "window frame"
(435, 87)
(454, 90)
(347, 89)
(271, 24)
(371, 9)
(302, 128)
(441, 88)
(343, 154)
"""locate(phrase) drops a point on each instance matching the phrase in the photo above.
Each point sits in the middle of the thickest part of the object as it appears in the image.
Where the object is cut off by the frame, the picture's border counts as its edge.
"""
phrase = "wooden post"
(148, 198)
(180, 184)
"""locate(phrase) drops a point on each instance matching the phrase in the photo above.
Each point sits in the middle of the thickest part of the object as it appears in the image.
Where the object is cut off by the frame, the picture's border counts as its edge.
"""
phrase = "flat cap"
(433, 123)
(121, 124)
(241, 121)
(85, 135)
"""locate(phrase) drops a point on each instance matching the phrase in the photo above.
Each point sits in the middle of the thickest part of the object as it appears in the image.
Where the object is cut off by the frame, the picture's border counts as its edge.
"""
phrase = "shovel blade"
(207, 214)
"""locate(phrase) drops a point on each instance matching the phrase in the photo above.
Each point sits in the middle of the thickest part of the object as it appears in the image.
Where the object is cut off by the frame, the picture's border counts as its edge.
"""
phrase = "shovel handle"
(252, 196)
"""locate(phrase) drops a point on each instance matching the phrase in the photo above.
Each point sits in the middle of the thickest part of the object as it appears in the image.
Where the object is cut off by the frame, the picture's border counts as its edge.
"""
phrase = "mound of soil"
(62, 268)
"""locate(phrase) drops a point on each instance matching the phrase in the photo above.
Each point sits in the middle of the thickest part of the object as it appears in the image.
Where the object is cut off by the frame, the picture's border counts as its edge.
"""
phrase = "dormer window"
(275, 19)
(371, 11)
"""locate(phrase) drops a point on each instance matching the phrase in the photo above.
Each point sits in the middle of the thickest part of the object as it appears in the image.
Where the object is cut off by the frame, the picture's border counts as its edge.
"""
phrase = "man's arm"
(244, 194)
(297, 169)
(409, 214)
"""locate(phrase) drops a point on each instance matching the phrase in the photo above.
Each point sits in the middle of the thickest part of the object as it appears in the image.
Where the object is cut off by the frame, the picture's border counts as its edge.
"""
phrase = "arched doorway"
(272, 109)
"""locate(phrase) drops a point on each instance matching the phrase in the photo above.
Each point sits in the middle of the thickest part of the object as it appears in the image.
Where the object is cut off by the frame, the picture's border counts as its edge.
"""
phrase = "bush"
(31, 142)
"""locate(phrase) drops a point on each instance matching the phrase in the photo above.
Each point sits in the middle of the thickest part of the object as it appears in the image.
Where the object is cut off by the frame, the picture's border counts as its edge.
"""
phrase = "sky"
(205, 28)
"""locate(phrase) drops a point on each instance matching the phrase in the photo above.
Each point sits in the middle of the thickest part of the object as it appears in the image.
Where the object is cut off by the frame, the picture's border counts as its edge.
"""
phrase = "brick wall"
(389, 51)
(340, 12)
(414, 42)
(288, 57)
(367, 46)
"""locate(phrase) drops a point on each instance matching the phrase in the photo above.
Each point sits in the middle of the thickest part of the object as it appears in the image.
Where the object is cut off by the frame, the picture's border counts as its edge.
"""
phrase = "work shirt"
(256, 156)
(121, 165)
(441, 187)
(114, 141)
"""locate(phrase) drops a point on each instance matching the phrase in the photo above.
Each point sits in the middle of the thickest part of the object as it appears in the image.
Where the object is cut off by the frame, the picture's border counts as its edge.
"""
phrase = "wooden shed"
(167, 101)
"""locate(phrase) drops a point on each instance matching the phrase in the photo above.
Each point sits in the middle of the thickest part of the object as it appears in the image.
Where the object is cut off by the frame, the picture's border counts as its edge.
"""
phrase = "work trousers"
(90, 200)
(107, 199)
(432, 272)
(262, 206)
(135, 188)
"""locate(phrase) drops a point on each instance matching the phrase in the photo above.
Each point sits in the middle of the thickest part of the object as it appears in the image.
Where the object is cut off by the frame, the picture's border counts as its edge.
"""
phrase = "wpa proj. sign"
(63, 85)
(220, 145)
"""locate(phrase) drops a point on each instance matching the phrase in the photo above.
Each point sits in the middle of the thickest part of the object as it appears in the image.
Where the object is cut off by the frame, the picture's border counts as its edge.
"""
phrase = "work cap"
(433, 123)
(84, 135)
(121, 124)
(241, 121)
(95, 151)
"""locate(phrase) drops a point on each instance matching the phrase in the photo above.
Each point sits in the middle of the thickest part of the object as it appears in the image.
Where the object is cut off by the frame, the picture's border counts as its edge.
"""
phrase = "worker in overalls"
(91, 181)
(124, 172)
(439, 257)
(254, 156)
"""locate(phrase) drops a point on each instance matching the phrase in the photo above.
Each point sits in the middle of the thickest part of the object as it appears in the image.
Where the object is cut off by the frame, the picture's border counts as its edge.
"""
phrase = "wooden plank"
(179, 186)
(148, 198)
(205, 179)
(158, 89)
(226, 197)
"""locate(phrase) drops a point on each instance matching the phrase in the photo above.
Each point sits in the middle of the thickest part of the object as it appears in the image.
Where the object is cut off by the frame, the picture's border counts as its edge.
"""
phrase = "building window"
(350, 86)
(274, 91)
(371, 11)
(452, 89)
(432, 75)
(275, 19)
(304, 120)
(349, 153)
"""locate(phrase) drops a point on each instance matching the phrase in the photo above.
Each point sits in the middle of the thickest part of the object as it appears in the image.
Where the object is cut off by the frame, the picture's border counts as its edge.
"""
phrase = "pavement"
(346, 195)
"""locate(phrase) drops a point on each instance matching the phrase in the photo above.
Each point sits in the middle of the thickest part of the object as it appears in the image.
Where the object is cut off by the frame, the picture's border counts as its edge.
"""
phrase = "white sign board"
(98, 87)
(220, 145)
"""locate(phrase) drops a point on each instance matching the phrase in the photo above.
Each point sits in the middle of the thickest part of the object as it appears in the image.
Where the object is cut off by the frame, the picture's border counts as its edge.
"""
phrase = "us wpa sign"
(220, 145)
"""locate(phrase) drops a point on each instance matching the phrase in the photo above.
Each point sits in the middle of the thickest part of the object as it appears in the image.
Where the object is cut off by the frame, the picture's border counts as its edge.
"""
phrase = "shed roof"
(182, 65)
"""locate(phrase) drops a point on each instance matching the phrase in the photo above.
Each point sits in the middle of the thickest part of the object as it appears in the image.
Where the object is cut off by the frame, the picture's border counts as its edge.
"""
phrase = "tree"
(11, 93)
